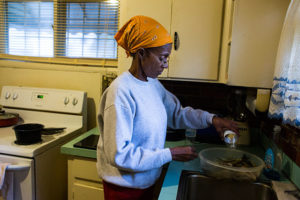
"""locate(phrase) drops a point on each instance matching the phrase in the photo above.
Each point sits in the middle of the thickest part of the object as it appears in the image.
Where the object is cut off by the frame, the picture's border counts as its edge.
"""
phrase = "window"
(29, 29)
(72, 29)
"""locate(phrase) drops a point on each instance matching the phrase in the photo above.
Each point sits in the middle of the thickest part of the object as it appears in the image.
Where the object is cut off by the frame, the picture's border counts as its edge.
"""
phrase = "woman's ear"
(141, 53)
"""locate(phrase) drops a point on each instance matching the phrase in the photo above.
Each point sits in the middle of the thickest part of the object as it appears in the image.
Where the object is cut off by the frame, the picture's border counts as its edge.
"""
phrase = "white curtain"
(285, 98)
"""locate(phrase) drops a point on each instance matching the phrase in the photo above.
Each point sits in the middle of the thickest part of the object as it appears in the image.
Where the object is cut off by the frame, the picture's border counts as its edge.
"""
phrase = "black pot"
(28, 133)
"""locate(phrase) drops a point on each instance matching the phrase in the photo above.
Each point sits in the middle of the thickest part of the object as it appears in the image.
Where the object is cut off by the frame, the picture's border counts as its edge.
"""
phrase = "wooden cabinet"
(225, 41)
(83, 179)
(159, 10)
(198, 24)
(251, 36)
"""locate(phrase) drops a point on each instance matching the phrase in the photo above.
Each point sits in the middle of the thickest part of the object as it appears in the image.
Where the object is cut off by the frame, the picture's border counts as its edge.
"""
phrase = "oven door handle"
(17, 167)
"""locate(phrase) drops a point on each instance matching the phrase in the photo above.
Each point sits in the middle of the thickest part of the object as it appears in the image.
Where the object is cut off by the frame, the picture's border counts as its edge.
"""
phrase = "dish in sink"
(227, 163)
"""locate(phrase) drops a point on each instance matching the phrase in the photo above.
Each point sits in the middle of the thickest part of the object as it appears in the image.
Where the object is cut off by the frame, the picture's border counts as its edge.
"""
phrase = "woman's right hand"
(183, 153)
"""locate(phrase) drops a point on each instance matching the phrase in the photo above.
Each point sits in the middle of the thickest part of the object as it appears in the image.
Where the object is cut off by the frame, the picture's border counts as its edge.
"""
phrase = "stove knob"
(15, 96)
(7, 95)
(75, 101)
(66, 101)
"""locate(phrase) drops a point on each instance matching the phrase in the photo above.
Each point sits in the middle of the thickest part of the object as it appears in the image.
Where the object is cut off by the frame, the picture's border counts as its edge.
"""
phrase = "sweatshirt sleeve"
(185, 117)
(120, 151)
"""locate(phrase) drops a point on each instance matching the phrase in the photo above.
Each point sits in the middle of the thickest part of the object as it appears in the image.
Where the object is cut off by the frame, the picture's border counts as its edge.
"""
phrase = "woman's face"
(155, 60)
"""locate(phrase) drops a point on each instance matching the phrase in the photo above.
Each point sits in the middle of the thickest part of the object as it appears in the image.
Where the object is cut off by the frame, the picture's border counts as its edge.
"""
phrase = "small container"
(190, 135)
(230, 138)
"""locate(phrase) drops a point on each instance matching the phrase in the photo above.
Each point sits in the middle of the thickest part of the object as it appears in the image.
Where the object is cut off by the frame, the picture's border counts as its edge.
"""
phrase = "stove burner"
(27, 143)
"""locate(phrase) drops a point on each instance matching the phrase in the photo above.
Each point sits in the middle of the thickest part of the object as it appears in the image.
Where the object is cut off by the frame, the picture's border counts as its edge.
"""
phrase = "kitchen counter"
(69, 148)
(171, 181)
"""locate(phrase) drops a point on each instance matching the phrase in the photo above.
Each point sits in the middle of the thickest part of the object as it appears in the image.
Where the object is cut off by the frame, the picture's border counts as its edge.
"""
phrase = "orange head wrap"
(142, 32)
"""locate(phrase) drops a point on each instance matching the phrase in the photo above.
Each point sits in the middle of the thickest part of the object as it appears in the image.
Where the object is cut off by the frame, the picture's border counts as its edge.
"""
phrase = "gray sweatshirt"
(133, 119)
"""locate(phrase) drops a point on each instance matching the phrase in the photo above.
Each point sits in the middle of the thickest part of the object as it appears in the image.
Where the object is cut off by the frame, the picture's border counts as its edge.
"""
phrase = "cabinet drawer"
(87, 192)
(84, 168)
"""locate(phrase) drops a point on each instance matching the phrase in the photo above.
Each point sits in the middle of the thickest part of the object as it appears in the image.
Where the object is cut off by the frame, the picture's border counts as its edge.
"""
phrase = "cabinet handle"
(176, 41)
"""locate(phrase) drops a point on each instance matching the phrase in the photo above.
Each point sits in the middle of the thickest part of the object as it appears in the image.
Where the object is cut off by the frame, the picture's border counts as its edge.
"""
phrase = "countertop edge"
(69, 148)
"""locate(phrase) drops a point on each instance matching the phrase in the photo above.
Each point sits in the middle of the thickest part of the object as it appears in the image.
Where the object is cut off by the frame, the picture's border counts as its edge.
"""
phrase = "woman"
(135, 112)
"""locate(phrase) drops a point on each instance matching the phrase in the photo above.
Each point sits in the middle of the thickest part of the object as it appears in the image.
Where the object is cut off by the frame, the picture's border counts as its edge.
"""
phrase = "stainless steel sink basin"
(194, 186)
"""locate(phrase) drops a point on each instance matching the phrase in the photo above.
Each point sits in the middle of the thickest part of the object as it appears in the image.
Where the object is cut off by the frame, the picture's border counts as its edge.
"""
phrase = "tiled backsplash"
(206, 96)
(212, 97)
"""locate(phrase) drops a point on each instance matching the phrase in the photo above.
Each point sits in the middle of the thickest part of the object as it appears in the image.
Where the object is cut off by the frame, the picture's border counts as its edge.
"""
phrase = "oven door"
(19, 178)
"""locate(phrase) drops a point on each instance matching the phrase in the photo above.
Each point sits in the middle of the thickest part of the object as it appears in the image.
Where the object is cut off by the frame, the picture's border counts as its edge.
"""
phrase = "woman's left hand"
(222, 124)
(183, 153)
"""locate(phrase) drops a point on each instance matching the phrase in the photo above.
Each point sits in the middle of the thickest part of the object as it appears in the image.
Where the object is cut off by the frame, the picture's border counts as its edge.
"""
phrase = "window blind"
(86, 29)
(72, 31)
(26, 28)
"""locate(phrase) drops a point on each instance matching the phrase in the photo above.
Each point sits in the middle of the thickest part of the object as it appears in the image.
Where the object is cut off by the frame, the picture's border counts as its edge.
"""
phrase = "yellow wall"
(83, 78)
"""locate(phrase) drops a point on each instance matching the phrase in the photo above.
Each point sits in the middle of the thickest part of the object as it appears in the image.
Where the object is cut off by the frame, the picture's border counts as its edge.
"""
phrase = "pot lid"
(4, 115)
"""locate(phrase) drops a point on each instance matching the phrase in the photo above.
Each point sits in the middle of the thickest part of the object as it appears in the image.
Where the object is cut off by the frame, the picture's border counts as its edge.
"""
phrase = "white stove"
(42, 163)
(73, 124)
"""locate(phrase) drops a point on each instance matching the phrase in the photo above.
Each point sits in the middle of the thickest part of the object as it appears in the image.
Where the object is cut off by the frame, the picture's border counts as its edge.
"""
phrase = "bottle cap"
(230, 138)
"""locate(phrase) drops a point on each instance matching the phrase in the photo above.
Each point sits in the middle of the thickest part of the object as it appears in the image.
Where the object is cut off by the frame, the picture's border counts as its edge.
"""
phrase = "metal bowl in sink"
(194, 186)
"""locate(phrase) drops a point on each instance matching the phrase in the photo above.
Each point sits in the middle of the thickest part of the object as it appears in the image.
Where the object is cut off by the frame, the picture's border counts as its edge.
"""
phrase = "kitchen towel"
(6, 182)
(285, 99)
(3, 167)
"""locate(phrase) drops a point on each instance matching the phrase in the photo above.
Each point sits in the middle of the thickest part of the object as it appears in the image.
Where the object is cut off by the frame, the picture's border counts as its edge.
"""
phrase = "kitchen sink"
(193, 186)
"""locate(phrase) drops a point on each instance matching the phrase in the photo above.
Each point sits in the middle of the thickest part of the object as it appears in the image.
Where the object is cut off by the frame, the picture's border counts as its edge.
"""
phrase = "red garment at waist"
(115, 192)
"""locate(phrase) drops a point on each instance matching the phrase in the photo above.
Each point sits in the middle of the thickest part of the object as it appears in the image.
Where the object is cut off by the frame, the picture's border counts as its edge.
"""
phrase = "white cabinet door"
(249, 30)
(159, 10)
(256, 29)
(83, 179)
(198, 24)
